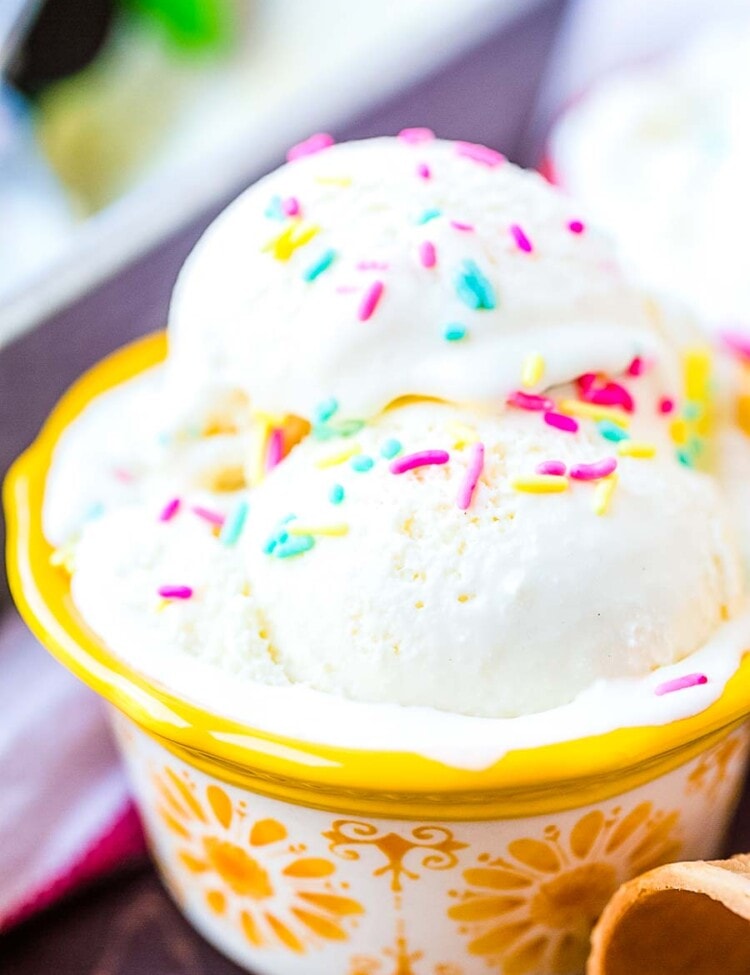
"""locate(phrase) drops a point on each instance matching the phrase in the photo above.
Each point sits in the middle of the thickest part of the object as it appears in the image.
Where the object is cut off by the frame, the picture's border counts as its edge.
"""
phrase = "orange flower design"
(249, 872)
(533, 910)
(714, 767)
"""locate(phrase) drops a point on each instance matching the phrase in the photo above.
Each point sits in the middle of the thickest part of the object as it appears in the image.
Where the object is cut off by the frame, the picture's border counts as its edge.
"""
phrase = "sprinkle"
(423, 171)
(521, 240)
(175, 592)
(341, 529)
(427, 255)
(274, 209)
(289, 240)
(473, 473)
(480, 154)
(636, 448)
(423, 458)
(540, 484)
(533, 370)
(431, 214)
(322, 264)
(371, 266)
(370, 301)
(595, 471)
(530, 401)
(325, 410)
(610, 431)
(697, 373)
(362, 463)
(576, 226)
(336, 495)
(454, 332)
(274, 448)
(555, 467)
(293, 546)
(339, 458)
(416, 136)
(170, 509)
(685, 458)
(678, 430)
(473, 288)
(291, 206)
(460, 225)
(610, 394)
(603, 494)
(636, 367)
(212, 517)
(390, 449)
(666, 405)
(592, 412)
(329, 431)
(736, 341)
(316, 143)
(234, 524)
(680, 683)
(561, 422)
(692, 411)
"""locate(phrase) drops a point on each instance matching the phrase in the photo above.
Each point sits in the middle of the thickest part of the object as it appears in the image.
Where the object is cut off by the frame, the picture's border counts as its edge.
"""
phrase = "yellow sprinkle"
(678, 431)
(291, 238)
(636, 448)
(540, 483)
(533, 370)
(264, 425)
(319, 530)
(464, 434)
(603, 494)
(334, 180)
(162, 605)
(591, 411)
(697, 366)
(743, 413)
(339, 458)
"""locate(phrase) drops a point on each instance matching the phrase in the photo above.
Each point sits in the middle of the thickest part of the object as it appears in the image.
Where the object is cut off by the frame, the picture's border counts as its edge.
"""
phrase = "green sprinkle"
(362, 463)
(611, 431)
(685, 458)
(322, 264)
(336, 494)
(390, 449)
(692, 411)
(325, 410)
(274, 209)
(429, 215)
(473, 288)
(297, 545)
(454, 332)
(329, 431)
(232, 527)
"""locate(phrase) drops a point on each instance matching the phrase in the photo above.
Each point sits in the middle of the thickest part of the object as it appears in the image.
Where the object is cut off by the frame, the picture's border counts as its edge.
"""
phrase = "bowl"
(293, 855)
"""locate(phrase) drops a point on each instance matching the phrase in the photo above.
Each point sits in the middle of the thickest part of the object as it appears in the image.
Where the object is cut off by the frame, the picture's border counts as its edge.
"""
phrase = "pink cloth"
(65, 810)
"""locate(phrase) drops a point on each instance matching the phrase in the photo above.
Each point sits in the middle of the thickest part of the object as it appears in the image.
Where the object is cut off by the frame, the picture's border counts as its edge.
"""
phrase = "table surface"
(129, 926)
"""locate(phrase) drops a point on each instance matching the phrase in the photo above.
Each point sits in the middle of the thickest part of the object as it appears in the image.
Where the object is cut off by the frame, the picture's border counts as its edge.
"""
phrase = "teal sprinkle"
(473, 288)
(322, 432)
(280, 536)
(287, 518)
(232, 527)
(322, 264)
(325, 410)
(692, 411)
(349, 428)
(429, 215)
(610, 431)
(390, 449)
(336, 494)
(95, 511)
(296, 545)
(454, 332)
(362, 463)
(328, 431)
(685, 458)
(274, 211)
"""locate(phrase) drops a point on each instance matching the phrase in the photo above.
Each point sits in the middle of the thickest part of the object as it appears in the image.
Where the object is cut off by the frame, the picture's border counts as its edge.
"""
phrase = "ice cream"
(497, 509)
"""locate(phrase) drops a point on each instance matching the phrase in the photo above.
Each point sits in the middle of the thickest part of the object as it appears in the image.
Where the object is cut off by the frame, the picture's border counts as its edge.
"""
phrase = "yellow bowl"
(299, 857)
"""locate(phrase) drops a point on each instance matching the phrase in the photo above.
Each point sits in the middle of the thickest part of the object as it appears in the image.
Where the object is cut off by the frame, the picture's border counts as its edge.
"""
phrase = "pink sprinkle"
(522, 241)
(737, 341)
(423, 171)
(530, 401)
(556, 467)
(595, 471)
(370, 301)
(175, 592)
(372, 266)
(460, 225)
(423, 458)
(427, 254)
(316, 143)
(275, 449)
(415, 136)
(636, 367)
(170, 509)
(576, 226)
(480, 154)
(291, 206)
(610, 394)
(561, 422)
(123, 476)
(680, 683)
(473, 473)
(666, 404)
(213, 517)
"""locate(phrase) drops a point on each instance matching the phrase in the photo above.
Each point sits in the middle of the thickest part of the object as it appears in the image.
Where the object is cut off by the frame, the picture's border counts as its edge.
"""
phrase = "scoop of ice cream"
(659, 155)
(395, 267)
